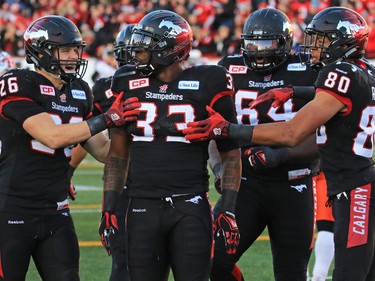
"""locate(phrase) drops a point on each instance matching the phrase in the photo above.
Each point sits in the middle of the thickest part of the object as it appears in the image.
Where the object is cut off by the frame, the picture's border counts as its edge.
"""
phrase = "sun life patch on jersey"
(78, 94)
(296, 67)
(47, 90)
(188, 85)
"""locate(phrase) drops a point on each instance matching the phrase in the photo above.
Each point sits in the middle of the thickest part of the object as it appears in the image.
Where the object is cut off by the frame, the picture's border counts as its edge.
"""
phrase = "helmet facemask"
(166, 36)
(344, 33)
(44, 40)
(264, 54)
(76, 67)
(266, 41)
(122, 55)
(331, 45)
(145, 40)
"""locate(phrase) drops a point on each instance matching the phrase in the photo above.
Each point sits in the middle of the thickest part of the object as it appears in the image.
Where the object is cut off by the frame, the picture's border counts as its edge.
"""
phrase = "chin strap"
(67, 77)
(145, 69)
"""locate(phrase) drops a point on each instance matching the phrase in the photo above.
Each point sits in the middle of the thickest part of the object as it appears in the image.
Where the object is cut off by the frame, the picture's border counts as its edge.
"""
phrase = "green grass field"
(95, 265)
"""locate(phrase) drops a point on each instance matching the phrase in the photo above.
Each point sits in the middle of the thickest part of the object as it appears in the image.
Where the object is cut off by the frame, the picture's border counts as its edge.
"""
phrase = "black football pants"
(286, 208)
(50, 240)
(354, 234)
(169, 233)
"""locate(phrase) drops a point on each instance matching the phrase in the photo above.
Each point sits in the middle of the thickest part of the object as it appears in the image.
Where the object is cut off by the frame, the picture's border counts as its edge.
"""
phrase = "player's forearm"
(98, 147)
(214, 159)
(231, 177)
(115, 172)
(231, 167)
(44, 129)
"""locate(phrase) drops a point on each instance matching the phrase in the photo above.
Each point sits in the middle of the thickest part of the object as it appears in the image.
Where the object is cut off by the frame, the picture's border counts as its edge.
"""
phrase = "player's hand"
(278, 95)
(108, 227)
(72, 192)
(122, 112)
(227, 231)
(214, 127)
(263, 157)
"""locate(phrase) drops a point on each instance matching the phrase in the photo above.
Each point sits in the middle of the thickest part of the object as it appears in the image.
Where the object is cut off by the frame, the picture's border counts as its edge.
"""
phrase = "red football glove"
(278, 95)
(227, 230)
(214, 127)
(263, 157)
(122, 112)
(108, 226)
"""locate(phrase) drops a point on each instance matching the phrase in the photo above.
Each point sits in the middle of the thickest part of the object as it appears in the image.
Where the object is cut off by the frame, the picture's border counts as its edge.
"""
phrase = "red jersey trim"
(9, 99)
(220, 95)
(359, 216)
(1, 268)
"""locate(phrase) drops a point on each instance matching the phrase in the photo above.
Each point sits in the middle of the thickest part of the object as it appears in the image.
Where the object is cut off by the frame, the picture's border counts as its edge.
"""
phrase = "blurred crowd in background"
(217, 24)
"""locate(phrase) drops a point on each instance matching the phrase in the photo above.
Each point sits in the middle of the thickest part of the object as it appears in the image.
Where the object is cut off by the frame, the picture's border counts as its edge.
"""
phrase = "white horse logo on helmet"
(351, 28)
(174, 29)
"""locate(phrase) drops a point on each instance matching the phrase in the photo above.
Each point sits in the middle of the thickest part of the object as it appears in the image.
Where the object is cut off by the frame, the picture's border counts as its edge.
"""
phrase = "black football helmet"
(121, 43)
(47, 34)
(346, 30)
(166, 35)
(267, 40)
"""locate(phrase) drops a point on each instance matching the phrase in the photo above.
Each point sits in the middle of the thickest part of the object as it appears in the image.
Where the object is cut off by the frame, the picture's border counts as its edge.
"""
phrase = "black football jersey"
(346, 141)
(33, 177)
(103, 96)
(163, 163)
(249, 85)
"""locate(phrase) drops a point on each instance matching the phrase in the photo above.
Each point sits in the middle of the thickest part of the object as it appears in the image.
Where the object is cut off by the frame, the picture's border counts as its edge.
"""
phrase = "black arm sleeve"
(304, 92)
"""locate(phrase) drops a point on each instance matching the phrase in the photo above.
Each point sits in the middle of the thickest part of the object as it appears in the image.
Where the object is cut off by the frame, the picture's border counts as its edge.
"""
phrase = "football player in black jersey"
(43, 113)
(169, 222)
(343, 115)
(276, 185)
(103, 99)
(103, 96)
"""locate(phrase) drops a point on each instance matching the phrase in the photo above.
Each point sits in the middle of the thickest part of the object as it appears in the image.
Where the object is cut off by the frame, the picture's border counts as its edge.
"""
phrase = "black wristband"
(71, 171)
(240, 132)
(229, 197)
(304, 92)
(96, 124)
(110, 198)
